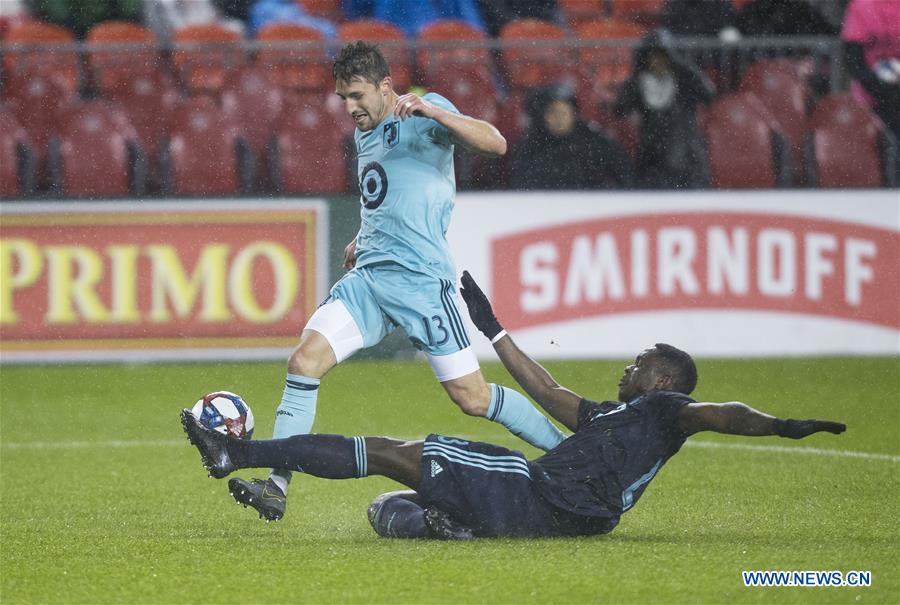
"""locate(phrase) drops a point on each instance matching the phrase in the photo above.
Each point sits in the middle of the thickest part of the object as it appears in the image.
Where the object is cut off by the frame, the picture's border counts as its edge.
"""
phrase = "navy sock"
(326, 456)
(398, 517)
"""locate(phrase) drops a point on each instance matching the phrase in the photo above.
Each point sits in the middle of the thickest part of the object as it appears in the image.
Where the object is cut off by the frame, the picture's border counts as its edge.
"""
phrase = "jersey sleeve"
(667, 405)
(585, 410)
(429, 128)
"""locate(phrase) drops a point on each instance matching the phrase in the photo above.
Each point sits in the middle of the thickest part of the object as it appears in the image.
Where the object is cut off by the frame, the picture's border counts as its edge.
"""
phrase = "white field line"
(138, 443)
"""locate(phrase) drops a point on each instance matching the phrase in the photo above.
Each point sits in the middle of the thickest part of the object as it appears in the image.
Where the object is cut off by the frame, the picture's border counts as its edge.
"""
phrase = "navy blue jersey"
(617, 448)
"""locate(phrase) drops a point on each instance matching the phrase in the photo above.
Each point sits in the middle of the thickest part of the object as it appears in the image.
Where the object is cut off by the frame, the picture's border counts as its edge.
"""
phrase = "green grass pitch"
(103, 500)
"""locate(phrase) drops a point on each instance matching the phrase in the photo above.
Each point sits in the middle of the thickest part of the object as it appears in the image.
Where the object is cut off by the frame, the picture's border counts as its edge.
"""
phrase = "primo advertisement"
(173, 280)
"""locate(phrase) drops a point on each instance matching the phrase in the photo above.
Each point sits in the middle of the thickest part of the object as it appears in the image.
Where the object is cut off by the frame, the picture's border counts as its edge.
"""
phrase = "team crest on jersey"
(391, 135)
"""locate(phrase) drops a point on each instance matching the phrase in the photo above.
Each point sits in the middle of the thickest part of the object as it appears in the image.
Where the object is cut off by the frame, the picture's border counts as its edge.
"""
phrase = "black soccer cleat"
(212, 446)
(443, 527)
(263, 495)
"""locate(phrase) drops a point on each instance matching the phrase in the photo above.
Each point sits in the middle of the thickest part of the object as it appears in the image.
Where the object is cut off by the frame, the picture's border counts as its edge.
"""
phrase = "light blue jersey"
(407, 188)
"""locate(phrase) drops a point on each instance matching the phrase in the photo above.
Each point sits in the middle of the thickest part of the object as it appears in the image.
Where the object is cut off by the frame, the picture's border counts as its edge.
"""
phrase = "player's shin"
(294, 416)
(511, 409)
(326, 456)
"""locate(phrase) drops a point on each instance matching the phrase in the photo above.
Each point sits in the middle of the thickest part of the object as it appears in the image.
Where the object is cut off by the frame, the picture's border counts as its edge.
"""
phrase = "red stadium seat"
(391, 41)
(150, 101)
(534, 54)
(295, 57)
(94, 153)
(576, 12)
(745, 149)
(35, 100)
(204, 55)
(452, 43)
(298, 167)
(848, 145)
(326, 9)
(46, 49)
(253, 103)
(604, 62)
(16, 158)
(120, 51)
(778, 85)
(646, 12)
(462, 73)
(205, 154)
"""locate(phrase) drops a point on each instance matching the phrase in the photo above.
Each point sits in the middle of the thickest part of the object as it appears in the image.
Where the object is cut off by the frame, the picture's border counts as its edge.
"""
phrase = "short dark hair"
(360, 59)
(680, 365)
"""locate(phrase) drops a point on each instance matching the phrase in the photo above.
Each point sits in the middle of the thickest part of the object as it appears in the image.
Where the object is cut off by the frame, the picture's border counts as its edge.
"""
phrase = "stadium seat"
(203, 56)
(35, 100)
(325, 9)
(462, 73)
(205, 154)
(448, 42)
(645, 12)
(95, 153)
(150, 101)
(604, 62)
(294, 56)
(46, 49)
(777, 84)
(392, 42)
(745, 148)
(298, 166)
(532, 55)
(120, 51)
(17, 163)
(848, 146)
(252, 102)
(576, 12)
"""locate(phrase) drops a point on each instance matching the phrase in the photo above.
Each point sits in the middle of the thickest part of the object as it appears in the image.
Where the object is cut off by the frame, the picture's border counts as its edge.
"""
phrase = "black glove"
(479, 307)
(798, 429)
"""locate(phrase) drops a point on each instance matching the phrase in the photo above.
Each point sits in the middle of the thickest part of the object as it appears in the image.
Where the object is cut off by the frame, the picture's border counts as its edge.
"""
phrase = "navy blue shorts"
(488, 488)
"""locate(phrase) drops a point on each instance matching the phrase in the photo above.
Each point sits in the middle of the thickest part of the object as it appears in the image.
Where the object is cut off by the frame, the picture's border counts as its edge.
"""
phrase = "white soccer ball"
(226, 413)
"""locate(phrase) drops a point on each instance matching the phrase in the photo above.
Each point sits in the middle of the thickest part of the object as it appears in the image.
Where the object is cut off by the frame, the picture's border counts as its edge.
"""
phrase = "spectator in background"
(665, 91)
(783, 18)
(79, 16)
(561, 151)
(413, 15)
(871, 36)
(699, 18)
(264, 12)
(167, 16)
(498, 13)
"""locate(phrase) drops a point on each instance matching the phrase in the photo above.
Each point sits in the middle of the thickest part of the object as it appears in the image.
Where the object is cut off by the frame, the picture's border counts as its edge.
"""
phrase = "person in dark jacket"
(665, 91)
(561, 151)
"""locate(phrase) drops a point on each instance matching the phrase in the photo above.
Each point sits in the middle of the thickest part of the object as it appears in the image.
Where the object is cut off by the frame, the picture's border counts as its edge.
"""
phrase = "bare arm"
(561, 403)
(473, 134)
(736, 418)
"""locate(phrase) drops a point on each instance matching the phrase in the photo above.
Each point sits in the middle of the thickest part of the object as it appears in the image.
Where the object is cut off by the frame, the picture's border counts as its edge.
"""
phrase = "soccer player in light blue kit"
(401, 272)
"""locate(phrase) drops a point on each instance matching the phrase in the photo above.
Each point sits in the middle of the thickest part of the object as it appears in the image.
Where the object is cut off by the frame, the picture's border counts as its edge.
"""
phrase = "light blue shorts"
(383, 296)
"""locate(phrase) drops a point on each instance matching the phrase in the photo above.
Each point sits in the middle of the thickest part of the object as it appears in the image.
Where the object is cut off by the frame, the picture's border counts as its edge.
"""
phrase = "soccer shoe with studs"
(443, 527)
(263, 495)
(211, 445)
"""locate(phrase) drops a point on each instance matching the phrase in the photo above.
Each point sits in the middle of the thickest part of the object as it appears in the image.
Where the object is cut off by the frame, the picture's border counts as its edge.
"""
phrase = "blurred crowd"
(651, 125)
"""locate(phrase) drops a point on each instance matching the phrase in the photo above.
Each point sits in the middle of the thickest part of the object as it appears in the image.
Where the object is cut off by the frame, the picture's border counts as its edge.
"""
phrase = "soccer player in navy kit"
(467, 489)
(401, 271)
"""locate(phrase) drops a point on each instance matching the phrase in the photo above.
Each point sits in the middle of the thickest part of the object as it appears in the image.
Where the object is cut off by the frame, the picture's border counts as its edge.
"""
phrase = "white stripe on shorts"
(503, 464)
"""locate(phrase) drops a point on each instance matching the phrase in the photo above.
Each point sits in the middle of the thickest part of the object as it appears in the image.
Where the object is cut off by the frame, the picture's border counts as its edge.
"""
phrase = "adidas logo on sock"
(435, 468)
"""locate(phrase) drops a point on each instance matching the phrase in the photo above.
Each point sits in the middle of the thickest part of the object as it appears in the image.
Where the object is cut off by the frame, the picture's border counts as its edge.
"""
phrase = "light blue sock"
(294, 416)
(511, 409)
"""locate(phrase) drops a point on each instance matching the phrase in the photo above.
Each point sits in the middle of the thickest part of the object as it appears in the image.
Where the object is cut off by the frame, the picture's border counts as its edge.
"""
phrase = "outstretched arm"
(736, 418)
(561, 403)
